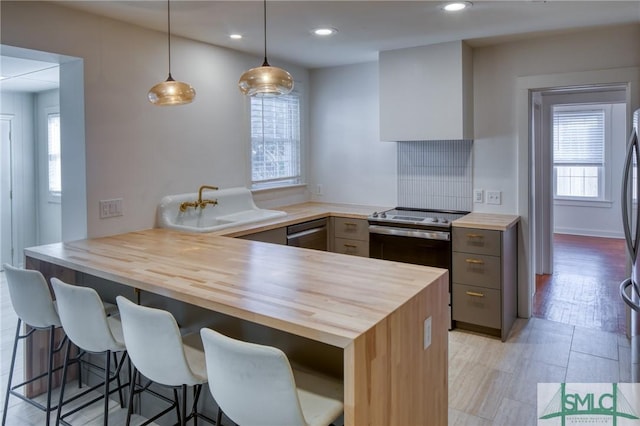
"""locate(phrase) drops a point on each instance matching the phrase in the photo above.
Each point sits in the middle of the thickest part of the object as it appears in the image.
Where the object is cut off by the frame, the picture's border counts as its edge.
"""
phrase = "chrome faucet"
(199, 202)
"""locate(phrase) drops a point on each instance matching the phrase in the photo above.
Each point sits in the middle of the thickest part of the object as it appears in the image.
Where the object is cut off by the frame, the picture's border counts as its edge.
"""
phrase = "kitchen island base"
(392, 374)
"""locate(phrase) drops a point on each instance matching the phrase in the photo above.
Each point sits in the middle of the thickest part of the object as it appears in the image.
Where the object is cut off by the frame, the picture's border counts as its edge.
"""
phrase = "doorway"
(33, 197)
(579, 137)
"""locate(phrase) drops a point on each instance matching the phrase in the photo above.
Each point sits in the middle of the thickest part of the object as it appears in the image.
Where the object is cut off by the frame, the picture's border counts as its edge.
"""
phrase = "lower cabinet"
(274, 236)
(349, 236)
(484, 280)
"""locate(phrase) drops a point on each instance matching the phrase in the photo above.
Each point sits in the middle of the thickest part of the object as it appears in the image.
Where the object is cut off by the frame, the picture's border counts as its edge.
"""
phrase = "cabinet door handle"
(474, 294)
(350, 246)
(475, 261)
(475, 236)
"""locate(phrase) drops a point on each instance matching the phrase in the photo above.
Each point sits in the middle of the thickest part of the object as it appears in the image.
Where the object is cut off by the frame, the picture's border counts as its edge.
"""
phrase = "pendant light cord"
(266, 63)
(169, 37)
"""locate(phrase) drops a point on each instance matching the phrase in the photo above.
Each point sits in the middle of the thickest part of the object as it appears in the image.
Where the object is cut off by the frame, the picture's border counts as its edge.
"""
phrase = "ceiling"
(26, 75)
(364, 27)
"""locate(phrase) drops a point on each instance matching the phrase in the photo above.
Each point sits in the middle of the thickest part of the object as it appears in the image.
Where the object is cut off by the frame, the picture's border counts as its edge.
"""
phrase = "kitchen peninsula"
(362, 319)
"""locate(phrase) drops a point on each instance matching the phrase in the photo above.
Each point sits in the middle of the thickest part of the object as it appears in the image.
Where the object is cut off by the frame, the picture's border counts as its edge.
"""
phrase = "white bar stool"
(32, 301)
(162, 355)
(255, 385)
(85, 321)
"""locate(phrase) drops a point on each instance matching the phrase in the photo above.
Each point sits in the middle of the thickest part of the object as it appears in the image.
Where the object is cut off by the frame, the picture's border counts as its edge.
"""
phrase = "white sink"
(235, 207)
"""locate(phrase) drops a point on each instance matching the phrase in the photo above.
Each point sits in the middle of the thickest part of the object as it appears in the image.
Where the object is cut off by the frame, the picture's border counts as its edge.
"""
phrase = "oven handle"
(405, 232)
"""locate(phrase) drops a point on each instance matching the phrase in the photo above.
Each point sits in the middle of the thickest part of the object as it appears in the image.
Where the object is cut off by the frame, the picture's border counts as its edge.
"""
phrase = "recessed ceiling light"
(235, 36)
(324, 31)
(456, 6)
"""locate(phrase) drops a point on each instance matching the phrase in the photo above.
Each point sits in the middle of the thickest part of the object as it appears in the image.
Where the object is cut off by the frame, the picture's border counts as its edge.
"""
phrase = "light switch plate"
(494, 197)
(478, 196)
(427, 332)
(110, 208)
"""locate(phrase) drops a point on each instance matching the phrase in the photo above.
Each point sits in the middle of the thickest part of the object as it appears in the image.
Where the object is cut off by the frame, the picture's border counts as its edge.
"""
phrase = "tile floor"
(490, 382)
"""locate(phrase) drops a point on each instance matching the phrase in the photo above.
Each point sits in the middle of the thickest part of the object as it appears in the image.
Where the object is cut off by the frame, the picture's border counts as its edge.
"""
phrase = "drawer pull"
(347, 224)
(475, 261)
(474, 294)
(350, 246)
(475, 236)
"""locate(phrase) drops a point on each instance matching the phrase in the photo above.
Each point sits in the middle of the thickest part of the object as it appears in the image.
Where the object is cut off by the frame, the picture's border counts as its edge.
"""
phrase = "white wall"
(134, 150)
(48, 210)
(496, 69)
(604, 220)
(21, 107)
(348, 159)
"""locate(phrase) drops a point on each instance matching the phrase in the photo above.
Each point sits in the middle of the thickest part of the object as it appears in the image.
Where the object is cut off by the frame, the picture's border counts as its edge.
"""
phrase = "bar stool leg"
(107, 368)
(50, 373)
(132, 388)
(64, 381)
(13, 363)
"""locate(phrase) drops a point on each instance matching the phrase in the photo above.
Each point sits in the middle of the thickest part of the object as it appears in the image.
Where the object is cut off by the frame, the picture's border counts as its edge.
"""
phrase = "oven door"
(416, 246)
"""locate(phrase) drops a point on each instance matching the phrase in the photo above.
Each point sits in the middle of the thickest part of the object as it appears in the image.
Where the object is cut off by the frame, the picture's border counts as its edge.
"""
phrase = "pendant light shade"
(265, 80)
(171, 92)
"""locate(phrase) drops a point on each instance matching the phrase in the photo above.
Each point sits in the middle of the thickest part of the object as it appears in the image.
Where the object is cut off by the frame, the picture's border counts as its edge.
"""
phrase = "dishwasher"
(311, 234)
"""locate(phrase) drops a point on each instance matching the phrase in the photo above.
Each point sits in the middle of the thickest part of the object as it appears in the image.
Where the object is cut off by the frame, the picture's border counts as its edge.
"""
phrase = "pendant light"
(171, 92)
(265, 80)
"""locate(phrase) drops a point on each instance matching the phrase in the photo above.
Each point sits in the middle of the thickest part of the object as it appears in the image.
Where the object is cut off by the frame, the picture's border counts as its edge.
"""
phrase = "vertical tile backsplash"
(435, 174)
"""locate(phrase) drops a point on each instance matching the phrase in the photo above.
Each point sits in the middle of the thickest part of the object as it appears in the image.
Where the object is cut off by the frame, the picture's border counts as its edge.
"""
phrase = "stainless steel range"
(417, 236)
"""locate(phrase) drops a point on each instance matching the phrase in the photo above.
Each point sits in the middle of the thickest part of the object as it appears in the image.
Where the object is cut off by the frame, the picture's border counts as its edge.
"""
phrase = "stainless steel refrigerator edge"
(630, 288)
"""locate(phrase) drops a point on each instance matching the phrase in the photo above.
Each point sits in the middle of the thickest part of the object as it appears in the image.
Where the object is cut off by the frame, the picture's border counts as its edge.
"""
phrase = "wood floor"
(584, 288)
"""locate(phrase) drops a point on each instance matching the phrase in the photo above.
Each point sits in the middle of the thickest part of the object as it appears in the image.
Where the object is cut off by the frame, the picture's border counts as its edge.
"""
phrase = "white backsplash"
(435, 174)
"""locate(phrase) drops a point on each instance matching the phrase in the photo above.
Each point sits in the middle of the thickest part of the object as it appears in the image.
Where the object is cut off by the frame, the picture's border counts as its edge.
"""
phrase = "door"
(6, 233)
(630, 288)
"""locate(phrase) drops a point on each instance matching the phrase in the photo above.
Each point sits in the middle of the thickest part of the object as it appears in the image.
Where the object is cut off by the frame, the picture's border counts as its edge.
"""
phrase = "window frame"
(298, 179)
(604, 177)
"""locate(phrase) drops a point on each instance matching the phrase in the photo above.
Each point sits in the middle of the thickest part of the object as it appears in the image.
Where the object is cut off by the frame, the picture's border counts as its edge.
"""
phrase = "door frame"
(527, 186)
(8, 162)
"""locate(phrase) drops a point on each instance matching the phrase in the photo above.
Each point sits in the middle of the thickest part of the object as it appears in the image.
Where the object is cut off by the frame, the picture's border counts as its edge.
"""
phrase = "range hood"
(426, 93)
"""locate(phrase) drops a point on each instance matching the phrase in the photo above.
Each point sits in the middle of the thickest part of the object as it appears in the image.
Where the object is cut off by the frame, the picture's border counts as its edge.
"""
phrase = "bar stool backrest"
(155, 345)
(253, 384)
(83, 318)
(31, 297)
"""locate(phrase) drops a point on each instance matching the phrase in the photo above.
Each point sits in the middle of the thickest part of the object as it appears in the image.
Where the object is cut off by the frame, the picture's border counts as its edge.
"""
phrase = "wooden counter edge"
(496, 222)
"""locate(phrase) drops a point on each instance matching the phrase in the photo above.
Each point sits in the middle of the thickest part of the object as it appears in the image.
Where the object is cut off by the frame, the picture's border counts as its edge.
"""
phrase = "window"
(53, 159)
(579, 151)
(275, 140)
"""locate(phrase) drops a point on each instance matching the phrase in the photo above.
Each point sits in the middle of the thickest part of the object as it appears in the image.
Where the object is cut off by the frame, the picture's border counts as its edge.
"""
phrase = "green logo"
(588, 404)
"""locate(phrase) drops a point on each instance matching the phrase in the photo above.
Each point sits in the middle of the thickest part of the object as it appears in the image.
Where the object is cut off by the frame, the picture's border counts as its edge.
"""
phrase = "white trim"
(12, 212)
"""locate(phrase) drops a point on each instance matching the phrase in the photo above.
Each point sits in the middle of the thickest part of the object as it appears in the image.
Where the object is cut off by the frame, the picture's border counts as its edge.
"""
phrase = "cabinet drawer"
(476, 269)
(353, 247)
(476, 241)
(475, 305)
(354, 229)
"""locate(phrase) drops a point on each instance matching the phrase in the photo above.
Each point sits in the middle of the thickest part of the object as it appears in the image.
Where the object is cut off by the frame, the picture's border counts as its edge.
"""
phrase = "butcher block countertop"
(328, 297)
(374, 311)
(497, 222)
(297, 213)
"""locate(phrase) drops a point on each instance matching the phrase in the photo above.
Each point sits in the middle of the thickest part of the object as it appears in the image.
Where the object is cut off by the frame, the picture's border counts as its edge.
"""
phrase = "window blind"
(275, 138)
(53, 148)
(578, 137)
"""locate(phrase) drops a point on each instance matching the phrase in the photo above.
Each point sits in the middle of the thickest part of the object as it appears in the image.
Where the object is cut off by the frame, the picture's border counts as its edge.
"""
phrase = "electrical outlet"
(110, 208)
(319, 190)
(478, 196)
(427, 332)
(494, 197)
